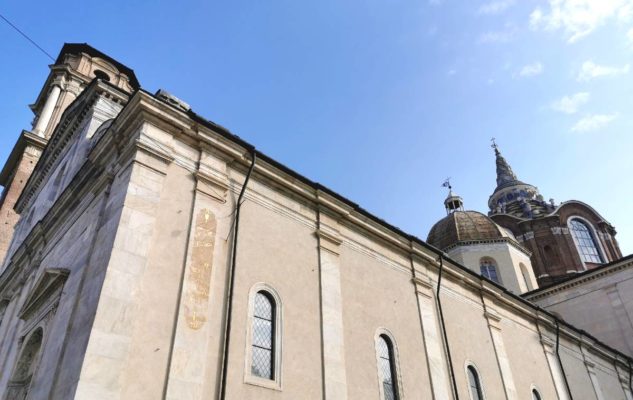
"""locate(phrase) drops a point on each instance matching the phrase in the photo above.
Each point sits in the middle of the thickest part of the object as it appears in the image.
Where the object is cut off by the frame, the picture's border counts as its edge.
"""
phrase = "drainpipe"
(560, 362)
(442, 323)
(229, 298)
(630, 377)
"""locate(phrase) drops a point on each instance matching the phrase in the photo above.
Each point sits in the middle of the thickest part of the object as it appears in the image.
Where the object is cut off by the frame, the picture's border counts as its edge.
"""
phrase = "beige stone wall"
(599, 302)
(378, 294)
(143, 310)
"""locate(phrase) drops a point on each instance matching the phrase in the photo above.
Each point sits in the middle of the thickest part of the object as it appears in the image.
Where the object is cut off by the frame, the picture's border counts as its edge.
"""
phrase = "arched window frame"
(495, 265)
(15, 383)
(276, 382)
(594, 236)
(535, 391)
(395, 363)
(482, 393)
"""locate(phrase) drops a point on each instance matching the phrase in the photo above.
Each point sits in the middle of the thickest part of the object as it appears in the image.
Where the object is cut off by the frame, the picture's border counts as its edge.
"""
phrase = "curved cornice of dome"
(567, 203)
(519, 219)
(508, 240)
(510, 187)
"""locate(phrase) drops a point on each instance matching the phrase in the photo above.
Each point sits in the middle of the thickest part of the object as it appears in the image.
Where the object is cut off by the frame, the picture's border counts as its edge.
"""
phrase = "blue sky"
(378, 100)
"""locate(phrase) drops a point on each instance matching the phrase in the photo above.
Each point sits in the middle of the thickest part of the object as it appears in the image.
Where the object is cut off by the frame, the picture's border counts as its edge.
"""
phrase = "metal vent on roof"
(169, 98)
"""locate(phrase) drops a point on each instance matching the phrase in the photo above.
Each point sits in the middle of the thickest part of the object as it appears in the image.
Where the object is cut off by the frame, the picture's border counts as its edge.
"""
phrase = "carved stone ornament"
(45, 291)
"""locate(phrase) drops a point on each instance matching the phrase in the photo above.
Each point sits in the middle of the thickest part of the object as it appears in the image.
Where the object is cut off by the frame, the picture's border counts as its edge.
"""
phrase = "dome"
(463, 226)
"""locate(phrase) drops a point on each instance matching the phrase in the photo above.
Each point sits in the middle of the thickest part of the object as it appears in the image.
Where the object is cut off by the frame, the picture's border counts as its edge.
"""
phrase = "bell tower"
(75, 67)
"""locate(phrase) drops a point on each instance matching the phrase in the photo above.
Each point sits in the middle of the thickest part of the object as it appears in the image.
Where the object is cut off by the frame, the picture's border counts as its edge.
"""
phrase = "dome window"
(488, 268)
(585, 241)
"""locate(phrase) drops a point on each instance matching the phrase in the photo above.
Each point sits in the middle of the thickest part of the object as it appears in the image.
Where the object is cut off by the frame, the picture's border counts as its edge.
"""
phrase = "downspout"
(630, 377)
(229, 297)
(560, 362)
(443, 324)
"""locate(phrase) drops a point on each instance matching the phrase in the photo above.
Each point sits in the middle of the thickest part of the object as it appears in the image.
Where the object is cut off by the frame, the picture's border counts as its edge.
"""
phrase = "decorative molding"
(583, 278)
(48, 284)
(212, 184)
(511, 242)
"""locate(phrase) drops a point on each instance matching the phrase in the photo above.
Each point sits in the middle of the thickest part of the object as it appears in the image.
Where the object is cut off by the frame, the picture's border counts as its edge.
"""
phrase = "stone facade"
(555, 255)
(117, 284)
(76, 66)
(599, 301)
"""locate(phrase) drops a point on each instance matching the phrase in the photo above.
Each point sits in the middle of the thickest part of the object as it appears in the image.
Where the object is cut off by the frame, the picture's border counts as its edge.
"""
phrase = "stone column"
(47, 111)
(554, 367)
(494, 325)
(432, 338)
(329, 241)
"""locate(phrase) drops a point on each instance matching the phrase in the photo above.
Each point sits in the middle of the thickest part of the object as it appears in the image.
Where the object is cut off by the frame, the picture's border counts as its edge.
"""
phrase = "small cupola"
(452, 202)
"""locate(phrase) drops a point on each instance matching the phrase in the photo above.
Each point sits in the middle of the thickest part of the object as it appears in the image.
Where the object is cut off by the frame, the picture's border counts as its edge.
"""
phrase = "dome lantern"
(452, 202)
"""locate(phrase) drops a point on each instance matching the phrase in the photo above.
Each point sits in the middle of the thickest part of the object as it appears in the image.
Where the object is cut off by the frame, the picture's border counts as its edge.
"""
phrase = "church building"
(149, 253)
(559, 240)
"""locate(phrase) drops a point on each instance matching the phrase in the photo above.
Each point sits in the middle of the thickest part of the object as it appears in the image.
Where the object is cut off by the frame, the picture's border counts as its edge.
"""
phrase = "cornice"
(510, 241)
(144, 107)
(71, 120)
(584, 278)
(25, 139)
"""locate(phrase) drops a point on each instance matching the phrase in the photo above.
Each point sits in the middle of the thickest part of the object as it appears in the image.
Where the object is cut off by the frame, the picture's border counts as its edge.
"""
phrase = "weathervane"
(447, 183)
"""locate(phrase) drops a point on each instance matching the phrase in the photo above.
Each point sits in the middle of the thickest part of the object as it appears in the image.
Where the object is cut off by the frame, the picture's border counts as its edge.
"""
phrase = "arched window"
(387, 368)
(101, 75)
(585, 241)
(263, 340)
(475, 385)
(536, 395)
(488, 268)
(18, 385)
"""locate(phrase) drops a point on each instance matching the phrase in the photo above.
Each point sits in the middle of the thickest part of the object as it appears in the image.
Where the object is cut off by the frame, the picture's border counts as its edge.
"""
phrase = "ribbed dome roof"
(460, 226)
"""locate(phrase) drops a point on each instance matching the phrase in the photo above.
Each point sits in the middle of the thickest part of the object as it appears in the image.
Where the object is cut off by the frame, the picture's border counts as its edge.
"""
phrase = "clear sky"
(378, 100)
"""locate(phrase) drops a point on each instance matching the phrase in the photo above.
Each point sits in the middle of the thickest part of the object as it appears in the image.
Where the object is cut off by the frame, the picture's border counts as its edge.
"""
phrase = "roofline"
(224, 132)
(227, 134)
(76, 48)
(26, 138)
(579, 276)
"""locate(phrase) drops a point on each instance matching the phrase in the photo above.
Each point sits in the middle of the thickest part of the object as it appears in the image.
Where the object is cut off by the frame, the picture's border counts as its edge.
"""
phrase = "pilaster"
(590, 365)
(113, 348)
(554, 367)
(494, 325)
(191, 353)
(329, 242)
(437, 362)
